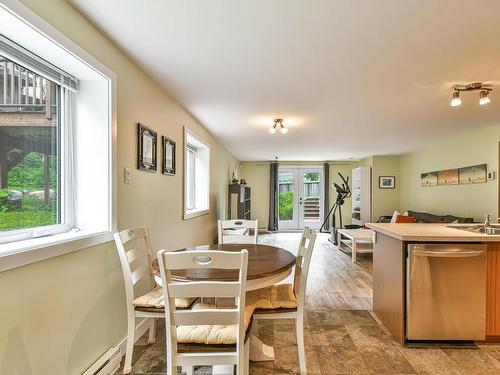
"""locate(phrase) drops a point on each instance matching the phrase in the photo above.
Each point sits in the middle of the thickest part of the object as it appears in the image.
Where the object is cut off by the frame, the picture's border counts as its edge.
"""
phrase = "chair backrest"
(185, 260)
(302, 262)
(136, 255)
(238, 231)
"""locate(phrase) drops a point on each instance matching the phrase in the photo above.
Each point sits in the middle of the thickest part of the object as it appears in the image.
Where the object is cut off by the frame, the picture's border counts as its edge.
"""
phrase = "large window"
(57, 142)
(196, 175)
(31, 202)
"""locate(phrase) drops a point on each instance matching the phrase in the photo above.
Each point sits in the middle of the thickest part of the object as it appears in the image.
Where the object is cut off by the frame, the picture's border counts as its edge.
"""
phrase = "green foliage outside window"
(28, 211)
(286, 205)
(28, 174)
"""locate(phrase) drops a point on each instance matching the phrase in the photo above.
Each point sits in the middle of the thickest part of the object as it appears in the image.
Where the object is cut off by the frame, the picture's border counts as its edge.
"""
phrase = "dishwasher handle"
(448, 254)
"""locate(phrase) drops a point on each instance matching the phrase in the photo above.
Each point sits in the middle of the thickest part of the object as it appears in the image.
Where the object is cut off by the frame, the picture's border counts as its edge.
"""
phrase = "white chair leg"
(127, 367)
(152, 331)
(247, 358)
(299, 324)
(171, 370)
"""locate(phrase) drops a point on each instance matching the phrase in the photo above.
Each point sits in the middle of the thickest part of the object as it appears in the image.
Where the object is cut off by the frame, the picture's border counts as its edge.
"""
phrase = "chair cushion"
(273, 297)
(212, 334)
(154, 300)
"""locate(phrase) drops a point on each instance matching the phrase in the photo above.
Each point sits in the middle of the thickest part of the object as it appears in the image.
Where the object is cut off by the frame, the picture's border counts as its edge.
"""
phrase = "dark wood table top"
(263, 261)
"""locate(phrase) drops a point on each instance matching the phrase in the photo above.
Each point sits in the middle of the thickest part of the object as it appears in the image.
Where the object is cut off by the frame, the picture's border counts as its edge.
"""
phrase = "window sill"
(195, 213)
(21, 253)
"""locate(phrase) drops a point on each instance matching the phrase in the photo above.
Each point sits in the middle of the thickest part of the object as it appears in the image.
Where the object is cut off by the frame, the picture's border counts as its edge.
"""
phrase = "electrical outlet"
(490, 175)
(127, 175)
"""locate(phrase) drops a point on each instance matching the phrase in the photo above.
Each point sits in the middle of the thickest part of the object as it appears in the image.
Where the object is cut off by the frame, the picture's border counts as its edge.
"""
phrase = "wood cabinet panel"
(493, 291)
(389, 284)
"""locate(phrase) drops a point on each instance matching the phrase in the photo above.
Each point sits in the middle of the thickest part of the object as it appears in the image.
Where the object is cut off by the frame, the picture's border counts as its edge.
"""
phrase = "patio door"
(300, 198)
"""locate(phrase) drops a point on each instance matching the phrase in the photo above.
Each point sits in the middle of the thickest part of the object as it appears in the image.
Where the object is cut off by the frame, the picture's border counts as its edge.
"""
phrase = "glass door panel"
(300, 198)
(310, 200)
(288, 216)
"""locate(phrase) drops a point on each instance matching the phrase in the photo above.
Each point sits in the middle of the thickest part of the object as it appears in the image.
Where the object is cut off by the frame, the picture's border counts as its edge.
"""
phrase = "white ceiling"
(351, 78)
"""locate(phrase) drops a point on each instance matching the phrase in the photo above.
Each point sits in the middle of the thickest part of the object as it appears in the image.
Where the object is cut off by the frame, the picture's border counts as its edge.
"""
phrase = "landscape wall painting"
(448, 177)
(475, 174)
(429, 179)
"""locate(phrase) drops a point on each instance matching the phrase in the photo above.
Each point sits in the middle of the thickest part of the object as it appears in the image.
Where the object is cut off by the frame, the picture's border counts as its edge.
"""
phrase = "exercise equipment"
(343, 192)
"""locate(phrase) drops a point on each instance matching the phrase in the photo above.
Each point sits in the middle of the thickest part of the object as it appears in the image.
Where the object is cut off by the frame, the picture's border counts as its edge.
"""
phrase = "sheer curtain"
(326, 201)
(273, 197)
(69, 183)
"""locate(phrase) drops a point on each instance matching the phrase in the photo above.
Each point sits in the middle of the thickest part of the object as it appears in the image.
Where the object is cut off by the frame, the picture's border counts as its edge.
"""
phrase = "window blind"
(29, 60)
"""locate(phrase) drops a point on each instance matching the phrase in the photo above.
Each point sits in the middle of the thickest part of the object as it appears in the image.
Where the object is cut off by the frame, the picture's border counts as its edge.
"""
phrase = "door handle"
(447, 254)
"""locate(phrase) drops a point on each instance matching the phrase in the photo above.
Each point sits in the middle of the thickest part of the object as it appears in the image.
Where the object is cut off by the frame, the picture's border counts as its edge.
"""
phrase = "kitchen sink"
(480, 229)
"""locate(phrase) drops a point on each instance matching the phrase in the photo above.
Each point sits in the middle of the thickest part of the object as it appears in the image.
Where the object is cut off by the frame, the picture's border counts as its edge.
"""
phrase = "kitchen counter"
(431, 232)
(389, 271)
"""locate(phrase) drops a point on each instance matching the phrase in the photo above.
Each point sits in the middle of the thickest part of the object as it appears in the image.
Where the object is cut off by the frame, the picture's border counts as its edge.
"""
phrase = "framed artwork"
(386, 182)
(168, 146)
(429, 179)
(447, 177)
(146, 148)
(472, 175)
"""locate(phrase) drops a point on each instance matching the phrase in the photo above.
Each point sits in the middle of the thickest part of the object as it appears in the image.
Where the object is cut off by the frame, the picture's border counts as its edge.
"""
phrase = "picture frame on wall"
(448, 177)
(387, 182)
(168, 165)
(476, 174)
(146, 148)
(429, 179)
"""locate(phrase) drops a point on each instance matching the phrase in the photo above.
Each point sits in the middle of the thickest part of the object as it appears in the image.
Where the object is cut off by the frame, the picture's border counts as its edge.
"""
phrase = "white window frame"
(199, 178)
(19, 253)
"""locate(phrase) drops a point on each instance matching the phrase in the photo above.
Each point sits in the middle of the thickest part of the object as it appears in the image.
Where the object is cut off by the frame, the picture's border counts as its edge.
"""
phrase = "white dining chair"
(206, 334)
(287, 301)
(136, 255)
(238, 231)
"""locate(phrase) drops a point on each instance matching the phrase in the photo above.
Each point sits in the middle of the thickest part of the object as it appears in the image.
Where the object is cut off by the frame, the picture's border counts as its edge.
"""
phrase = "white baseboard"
(140, 330)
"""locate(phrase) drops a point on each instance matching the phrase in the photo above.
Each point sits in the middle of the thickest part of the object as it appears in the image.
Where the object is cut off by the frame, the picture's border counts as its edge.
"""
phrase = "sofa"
(424, 217)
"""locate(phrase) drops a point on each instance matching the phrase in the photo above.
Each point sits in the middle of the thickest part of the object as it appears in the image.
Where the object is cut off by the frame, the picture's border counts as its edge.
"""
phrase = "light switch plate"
(127, 175)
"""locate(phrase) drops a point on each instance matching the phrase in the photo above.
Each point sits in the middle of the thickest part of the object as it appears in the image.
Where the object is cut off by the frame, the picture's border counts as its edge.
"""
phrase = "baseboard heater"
(107, 364)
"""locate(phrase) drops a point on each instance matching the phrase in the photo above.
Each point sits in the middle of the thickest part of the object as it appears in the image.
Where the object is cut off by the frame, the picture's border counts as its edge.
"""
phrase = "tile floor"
(341, 335)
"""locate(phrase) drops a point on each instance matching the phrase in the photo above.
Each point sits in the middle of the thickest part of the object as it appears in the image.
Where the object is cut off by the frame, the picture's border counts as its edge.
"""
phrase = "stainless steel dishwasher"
(446, 292)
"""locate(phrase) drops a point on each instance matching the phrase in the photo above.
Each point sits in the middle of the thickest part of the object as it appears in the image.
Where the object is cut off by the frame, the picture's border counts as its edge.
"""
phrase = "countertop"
(430, 232)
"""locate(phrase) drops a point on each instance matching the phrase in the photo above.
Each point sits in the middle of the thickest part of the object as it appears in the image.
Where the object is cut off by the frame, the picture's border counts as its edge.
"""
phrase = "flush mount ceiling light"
(278, 123)
(484, 92)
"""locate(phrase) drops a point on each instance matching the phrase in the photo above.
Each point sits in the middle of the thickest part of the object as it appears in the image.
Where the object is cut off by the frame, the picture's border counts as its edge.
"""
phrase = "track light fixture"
(455, 101)
(483, 97)
(484, 92)
(278, 123)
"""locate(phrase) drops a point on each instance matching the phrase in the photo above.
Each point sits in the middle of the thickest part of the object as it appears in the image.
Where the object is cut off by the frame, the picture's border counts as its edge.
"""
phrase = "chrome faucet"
(488, 221)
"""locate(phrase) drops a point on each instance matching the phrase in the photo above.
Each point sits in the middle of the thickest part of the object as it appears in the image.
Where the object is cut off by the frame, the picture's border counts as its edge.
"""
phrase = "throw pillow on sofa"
(396, 214)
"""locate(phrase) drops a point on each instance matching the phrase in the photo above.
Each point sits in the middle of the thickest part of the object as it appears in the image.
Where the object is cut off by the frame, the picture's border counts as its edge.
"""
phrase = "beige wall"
(63, 313)
(257, 176)
(385, 201)
(462, 200)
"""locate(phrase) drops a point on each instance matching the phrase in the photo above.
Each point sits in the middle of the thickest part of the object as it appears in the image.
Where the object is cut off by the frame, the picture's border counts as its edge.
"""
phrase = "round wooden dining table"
(267, 265)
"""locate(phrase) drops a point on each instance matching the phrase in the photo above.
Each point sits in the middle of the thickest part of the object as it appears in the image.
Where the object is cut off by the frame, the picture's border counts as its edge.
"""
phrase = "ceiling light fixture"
(278, 123)
(484, 92)
(455, 101)
(483, 97)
